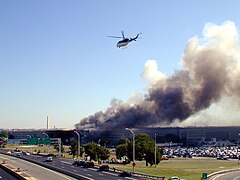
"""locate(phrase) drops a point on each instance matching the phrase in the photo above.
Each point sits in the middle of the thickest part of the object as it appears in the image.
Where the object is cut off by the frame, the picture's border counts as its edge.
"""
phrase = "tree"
(122, 150)
(57, 148)
(144, 149)
(96, 152)
(123, 141)
(102, 153)
(4, 134)
(74, 148)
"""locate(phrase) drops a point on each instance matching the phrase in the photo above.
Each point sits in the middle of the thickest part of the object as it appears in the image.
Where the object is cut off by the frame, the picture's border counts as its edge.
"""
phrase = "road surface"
(34, 170)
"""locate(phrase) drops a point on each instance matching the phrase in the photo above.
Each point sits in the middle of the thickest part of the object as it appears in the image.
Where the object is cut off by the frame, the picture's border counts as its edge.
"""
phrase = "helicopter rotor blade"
(123, 34)
(114, 37)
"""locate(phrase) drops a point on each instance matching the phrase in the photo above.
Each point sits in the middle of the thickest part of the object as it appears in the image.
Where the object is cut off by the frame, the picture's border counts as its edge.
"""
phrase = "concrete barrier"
(16, 172)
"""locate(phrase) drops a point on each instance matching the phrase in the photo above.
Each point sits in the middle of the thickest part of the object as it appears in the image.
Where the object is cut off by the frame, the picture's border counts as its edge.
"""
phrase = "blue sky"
(56, 58)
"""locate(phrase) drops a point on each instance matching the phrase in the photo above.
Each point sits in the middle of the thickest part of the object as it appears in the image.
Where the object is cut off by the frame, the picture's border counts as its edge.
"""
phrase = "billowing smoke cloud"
(210, 71)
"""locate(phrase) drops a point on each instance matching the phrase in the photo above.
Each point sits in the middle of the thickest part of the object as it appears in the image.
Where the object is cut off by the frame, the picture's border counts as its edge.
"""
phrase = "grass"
(183, 168)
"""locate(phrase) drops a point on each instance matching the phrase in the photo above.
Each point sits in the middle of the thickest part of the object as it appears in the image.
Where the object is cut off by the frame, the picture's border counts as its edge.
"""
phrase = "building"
(188, 136)
(21, 136)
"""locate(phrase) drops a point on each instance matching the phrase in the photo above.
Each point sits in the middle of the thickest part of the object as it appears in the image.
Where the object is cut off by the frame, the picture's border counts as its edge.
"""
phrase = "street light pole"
(50, 141)
(133, 134)
(30, 144)
(79, 144)
(155, 151)
(60, 147)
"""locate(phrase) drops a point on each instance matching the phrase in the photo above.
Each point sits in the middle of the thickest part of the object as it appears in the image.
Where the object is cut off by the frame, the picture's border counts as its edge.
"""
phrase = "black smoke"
(209, 72)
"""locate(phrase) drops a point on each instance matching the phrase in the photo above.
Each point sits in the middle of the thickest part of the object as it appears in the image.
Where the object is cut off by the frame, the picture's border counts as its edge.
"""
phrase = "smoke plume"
(210, 72)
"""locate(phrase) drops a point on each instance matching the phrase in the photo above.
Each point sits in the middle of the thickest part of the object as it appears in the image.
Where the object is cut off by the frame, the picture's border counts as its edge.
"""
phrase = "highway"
(234, 175)
(5, 176)
(88, 173)
(34, 170)
(66, 165)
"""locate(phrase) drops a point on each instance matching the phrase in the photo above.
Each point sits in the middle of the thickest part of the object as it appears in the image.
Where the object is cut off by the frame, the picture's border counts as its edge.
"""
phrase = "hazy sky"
(56, 58)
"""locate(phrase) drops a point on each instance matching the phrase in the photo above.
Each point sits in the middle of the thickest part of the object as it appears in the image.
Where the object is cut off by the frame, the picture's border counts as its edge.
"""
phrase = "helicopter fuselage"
(123, 42)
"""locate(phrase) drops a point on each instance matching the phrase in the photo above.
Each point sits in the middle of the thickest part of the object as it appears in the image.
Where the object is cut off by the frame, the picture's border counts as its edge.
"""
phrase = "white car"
(48, 159)
(174, 178)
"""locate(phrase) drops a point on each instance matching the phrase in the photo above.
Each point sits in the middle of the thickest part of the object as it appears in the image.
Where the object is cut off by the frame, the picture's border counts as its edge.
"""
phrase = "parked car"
(174, 178)
(125, 174)
(103, 168)
(88, 165)
(222, 157)
(78, 163)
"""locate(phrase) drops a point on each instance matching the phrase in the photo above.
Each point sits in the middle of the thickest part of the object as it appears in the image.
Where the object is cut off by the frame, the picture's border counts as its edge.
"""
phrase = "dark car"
(222, 157)
(78, 163)
(103, 168)
(125, 174)
(88, 165)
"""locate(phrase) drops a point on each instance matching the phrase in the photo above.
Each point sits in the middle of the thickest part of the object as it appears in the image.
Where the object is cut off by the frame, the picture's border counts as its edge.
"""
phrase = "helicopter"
(124, 41)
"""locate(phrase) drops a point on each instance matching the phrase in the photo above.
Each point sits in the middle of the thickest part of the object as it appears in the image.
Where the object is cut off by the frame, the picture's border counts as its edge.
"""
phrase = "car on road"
(26, 153)
(78, 163)
(103, 168)
(125, 174)
(48, 159)
(88, 164)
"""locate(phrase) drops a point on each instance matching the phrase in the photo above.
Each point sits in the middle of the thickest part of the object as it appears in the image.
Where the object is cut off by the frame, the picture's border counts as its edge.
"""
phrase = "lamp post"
(155, 151)
(99, 142)
(60, 147)
(79, 144)
(30, 145)
(238, 149)
(133, 134)
(50, 142)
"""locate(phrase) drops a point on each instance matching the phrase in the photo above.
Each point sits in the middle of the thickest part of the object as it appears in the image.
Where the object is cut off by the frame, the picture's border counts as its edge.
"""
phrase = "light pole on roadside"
(237, 150)
(50, 140)
(60, 147)
(79, 144)
(30, 144)
(155, 151)
(133, 134)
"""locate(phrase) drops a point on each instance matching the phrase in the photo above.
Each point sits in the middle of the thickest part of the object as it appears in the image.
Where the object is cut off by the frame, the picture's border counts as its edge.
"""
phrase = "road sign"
(204, 176)
(36, 141)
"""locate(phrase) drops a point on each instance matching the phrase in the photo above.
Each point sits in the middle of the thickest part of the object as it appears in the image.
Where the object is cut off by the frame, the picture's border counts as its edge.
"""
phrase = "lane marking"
(110, 173)
(65, 162)
(236, 178)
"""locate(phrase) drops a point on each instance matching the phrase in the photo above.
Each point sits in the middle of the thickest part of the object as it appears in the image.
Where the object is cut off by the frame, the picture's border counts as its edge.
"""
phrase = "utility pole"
(133, 135)
(60, 147)
(79, 144)
(155, 151)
